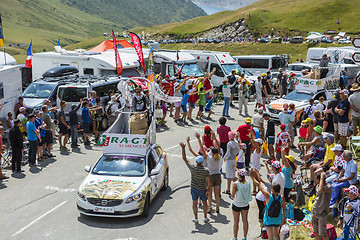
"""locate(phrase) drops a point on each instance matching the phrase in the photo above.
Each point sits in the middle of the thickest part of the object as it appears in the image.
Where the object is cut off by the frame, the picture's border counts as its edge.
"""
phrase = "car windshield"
(39, 90)
(229, 67)
(192, 69)
(114, 165)
(298, 96)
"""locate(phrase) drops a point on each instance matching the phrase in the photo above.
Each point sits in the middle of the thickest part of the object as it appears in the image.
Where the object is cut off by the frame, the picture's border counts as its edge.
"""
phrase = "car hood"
(33, 102)
(278, 104)
(110, 187)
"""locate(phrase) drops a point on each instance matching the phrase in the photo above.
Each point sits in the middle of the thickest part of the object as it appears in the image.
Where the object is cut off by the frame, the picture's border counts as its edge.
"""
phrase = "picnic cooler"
(138, 123)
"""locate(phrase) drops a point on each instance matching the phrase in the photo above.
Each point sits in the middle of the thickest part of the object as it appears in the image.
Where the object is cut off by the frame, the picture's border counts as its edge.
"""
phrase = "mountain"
(225, 4)
(275, 17)
(77, 20)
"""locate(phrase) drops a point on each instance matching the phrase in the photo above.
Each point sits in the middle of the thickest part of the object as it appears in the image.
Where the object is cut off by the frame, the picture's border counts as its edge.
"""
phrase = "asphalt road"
(41, 204)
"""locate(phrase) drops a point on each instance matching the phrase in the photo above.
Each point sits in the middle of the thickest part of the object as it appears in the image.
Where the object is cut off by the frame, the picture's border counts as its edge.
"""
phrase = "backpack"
(108, 108)
(298, 214)
(275, 208)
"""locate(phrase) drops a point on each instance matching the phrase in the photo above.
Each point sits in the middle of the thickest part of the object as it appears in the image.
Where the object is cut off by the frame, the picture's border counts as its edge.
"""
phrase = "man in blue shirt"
(85, 119)
(33, 136)
(343, 109)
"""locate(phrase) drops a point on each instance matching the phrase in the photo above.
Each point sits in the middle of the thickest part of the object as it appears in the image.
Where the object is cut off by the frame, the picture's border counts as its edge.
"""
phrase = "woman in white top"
(230, 159)
(255, 163)
(241, 193)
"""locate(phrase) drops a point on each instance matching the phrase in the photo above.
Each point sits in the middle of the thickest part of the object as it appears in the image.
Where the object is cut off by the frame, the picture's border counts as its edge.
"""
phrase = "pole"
(4, 56)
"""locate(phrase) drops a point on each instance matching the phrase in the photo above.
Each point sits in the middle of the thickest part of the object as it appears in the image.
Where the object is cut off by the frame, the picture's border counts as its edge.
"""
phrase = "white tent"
(4, 57)
(314, 37)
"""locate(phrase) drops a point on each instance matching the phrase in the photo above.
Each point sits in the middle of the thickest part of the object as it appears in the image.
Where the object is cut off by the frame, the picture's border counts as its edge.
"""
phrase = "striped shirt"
(199, 176)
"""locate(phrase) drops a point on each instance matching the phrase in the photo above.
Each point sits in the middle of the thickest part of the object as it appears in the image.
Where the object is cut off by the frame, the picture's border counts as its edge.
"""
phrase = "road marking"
(39, 218)
(169, 148)
(57, 189)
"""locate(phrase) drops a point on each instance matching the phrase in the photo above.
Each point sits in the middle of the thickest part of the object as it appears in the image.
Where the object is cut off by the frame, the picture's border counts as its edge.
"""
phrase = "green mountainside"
(283, 16)
(225, 4)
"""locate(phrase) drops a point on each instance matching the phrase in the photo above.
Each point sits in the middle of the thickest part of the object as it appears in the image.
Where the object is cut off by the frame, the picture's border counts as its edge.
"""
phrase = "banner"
(138, 48)
(58, 43)
(160, 95)
(29, 56)
(150, 68)
(1, 34)
(119, 67)
(123, 143)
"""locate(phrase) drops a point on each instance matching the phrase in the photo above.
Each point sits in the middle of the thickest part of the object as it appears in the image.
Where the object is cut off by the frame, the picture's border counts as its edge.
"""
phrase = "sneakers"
(206, 220)
(64, 149)
(333, 206)
(194, 220)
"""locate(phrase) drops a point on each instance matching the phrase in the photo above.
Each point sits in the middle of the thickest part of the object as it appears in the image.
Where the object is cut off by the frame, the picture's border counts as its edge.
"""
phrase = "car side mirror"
(87, 168)
(154, 172)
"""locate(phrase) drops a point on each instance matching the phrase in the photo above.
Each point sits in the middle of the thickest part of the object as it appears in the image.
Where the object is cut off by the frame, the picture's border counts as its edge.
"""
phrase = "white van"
(222, 61)
(314, 55)
(258, 64)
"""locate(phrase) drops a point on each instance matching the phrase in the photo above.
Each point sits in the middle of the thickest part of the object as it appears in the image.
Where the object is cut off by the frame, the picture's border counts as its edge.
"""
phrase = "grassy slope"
(283, 15)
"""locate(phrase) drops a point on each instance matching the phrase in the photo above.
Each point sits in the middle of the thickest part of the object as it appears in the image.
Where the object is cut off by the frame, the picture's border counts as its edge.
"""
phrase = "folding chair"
(354, 144)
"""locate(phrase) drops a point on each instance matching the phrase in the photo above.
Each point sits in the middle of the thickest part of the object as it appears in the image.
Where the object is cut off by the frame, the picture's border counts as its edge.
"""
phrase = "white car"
(344, 41)
(121, 185)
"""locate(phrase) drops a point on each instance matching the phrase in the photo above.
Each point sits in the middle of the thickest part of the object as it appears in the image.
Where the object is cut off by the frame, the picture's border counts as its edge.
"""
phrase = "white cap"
(258, 140)
(337, 147)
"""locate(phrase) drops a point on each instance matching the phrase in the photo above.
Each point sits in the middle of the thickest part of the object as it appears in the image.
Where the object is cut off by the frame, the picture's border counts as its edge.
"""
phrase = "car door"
(152, 158)
(160, 164)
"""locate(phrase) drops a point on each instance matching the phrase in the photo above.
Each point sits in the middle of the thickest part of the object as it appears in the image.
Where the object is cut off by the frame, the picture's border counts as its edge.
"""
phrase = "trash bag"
(265, 148)
(138, 123)
(284, 232)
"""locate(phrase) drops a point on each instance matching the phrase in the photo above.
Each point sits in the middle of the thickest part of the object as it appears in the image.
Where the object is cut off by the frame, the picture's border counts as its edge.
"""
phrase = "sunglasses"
(137, 92)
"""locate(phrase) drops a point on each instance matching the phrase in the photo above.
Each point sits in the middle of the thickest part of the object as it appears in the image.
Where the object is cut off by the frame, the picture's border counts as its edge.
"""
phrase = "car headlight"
(80, 195)
(134, 198)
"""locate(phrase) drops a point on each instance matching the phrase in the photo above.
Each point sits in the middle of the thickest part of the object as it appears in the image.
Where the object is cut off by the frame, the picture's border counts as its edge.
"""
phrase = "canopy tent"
(108, 44)
(314, 37)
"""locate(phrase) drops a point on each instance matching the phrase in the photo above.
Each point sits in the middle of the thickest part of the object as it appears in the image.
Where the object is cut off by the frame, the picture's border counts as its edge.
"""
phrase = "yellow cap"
(291, 158)
(303, 122)
(264, 74)
(308, 120)
(248, 120)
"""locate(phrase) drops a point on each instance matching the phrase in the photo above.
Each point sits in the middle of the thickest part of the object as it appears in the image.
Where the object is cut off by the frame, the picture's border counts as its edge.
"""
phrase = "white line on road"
(169, 148)
(58, 189)
(39, 218)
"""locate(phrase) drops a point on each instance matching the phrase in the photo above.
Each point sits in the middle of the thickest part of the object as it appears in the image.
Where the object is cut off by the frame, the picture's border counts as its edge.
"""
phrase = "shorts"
(63, 129)
(336, 127)
(201, 108)
(177, 104)
(271, 140)
(272, 225)
(238, 209)
(301, 139)
(196, 194)
(230, 169)
(215, 180)
(343, 129)
(207, 110)
(184, 109)
(233, 90)
(191, 105)
(325, 168)
(48, 139)
(40, 143)
(319, 225)
(355, 121)
(86, 127)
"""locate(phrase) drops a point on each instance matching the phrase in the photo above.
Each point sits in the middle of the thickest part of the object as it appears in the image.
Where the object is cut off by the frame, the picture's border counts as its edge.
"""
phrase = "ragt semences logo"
(103, 140)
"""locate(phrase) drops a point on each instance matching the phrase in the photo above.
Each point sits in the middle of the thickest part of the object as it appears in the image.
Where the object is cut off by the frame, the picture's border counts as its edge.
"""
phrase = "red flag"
(177, 54)
(119, 67)
(138, 48)
(29, 55)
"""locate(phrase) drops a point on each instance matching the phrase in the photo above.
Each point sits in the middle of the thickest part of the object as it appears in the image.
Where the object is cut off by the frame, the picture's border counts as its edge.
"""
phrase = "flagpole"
(4, 55)
(2, 33)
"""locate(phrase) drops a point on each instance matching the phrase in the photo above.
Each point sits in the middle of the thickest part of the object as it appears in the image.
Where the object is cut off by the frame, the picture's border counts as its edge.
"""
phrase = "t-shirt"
(280, 179)
(286, 118)
(185, 99)
(258, 119)
(322, 201)
(354, 100)
(213, 165)
(320, 107)
(30, 128)
(207, 84)
(303, 132)
(330, 126)
(243, 131)
(309, 110)
(201, 100)
(332, 105)
(223, 133)
(270, 131)
(329, 154)
(47, 120)
(344, 105)
(199, 176)
(232, 150)
(61, 114)
(38, 123)
(209, 104)
(85, 115)
(23, 121)
(283, 139)
(289, 183)
(350, 167)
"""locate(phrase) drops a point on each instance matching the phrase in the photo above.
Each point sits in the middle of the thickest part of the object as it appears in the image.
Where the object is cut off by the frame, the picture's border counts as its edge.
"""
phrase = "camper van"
(258, 64)
(222, 61)
(337, 55)
(88, 63)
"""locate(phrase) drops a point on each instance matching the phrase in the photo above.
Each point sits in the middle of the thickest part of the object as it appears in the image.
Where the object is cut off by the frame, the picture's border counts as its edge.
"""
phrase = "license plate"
(104, 209)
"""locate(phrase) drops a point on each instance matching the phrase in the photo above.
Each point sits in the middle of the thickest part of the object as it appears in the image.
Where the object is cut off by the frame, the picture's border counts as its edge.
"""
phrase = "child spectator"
(10, 120)
(241, 157)
(202, 101)
(184, 103)
(192, 100)
(282, 140)
(208, 107)
(207, 141)
(302, 137)
(223, 131)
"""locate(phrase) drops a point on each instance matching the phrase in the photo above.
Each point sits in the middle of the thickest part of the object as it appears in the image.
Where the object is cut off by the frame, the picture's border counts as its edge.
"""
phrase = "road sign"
(356, 57)
(356, 42)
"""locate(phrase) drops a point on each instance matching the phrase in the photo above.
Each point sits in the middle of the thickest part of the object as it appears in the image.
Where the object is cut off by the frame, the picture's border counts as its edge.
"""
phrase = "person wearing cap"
(227, 93)
(292, 81)
(200, 184)
(343, 109)
(332, 105)
(243, 98)
(23, 119)
(111, 109)
(207, 140)
(288, 170)
(256, 156)
(74, 124)
(283, 139)
(302, 134)
(33, 137)
(241, 195)
(354, 101)
(17, 146)
(18, 105)
(350, 213)
(258, 90)
(258, 120)
(40, 125)
(270, 134)
(347, 176)
(286, 118)
(230, 158)
(338, 165)
(320, 209)
(314, 145)
(242, 134)
(328, 161)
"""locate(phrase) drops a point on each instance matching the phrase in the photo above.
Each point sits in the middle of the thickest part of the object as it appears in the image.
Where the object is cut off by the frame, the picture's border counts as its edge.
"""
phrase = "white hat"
(337, 147)
(258, 140)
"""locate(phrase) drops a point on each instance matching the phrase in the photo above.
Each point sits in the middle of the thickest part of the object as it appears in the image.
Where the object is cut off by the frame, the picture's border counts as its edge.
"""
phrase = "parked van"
(258, 64)
(314, 55)
(298, 39)
(222, 61)
(45, 88)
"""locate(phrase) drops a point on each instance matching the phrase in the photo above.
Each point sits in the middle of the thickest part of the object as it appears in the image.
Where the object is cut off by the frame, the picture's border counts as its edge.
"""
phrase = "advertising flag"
(119, 67)
(177, 54)
(58, 43)
(29, 55)
(138, 48)
(1, 34)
